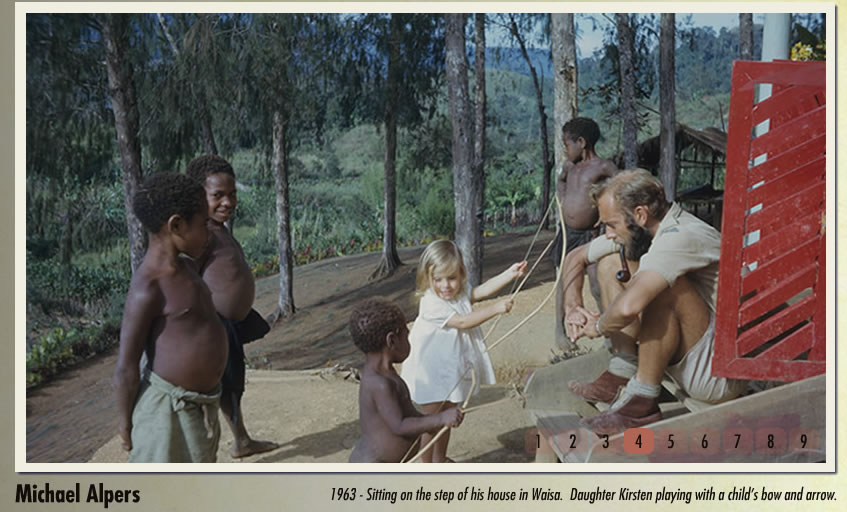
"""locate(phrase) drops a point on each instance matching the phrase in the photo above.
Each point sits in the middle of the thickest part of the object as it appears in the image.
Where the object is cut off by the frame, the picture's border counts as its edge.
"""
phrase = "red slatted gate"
(771, 309)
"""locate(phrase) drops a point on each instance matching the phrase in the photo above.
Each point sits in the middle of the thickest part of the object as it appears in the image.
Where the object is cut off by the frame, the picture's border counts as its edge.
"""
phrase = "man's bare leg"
(623, 364)
(670, 326)
(242, 445)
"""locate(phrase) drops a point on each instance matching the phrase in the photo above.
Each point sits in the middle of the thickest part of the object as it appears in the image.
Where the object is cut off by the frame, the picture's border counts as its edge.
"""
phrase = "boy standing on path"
(172, 414)
(225, 271)
(582, 169)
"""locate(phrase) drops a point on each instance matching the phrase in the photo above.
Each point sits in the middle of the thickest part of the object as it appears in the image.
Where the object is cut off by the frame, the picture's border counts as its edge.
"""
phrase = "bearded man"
(660, 322)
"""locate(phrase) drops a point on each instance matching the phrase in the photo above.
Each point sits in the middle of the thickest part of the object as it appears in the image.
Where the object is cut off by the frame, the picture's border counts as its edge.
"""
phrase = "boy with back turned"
(388, 418)
(171, 414)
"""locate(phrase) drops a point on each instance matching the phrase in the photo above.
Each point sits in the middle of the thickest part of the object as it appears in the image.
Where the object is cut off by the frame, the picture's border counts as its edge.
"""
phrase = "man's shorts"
(694, 372)
(576, 237)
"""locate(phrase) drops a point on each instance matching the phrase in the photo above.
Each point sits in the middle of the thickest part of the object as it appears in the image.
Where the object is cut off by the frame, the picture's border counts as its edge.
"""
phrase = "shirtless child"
(172, 414)
(389, 421)
(581, 170)
(224, 268)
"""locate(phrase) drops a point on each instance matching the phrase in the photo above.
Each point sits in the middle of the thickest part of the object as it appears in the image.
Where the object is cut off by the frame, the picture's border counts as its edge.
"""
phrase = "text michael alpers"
(97, 493)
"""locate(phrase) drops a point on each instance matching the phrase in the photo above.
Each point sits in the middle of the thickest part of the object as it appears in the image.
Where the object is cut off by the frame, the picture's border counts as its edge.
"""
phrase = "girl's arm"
(493, 285)
(479, 316)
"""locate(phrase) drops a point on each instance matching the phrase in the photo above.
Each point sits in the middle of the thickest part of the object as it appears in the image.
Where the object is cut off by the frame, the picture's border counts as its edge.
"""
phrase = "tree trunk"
(479, 131)
(115, 30)
(745, 36)
(547, 165)
(209, 146)
(667, 107)
(285, 303)
(465, 182)
(563, 50)
(626, 42)
(390, 259)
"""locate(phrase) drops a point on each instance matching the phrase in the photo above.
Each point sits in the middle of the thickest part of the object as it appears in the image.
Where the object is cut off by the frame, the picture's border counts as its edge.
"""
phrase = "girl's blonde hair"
(444, 256)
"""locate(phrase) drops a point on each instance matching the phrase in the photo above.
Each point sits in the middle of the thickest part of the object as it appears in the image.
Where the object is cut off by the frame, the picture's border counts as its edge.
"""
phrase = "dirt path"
(79, 404)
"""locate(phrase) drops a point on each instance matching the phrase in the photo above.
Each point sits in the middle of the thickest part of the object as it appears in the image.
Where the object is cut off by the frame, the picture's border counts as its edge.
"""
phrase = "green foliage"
(78, 289)
(60, 348)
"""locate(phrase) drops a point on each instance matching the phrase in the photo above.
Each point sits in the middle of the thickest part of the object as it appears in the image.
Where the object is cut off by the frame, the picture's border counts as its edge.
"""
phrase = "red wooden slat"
(789, 182)
(763, 369)
(777, 73)
(789, 158)
(775, 215)
(788, 103)
(775, 242)
(773, 297)
(789, 134)
(768, 274)
(792, 346)
(752, 339)
(818, 352)
(732, 227)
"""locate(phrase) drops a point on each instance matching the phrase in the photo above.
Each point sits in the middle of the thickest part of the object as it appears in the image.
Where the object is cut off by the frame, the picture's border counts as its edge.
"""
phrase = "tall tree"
(745, 36)
(563, 50)
(546, 161)
(390, 260)
(479, 130)
(116, 30)
(269, 50)
(394, 83)
(285, 300)
(465, 181)
(667, 106)
(626, 43)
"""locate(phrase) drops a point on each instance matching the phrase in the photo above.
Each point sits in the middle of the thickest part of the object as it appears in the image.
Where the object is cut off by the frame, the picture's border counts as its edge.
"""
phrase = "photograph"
(263, 241)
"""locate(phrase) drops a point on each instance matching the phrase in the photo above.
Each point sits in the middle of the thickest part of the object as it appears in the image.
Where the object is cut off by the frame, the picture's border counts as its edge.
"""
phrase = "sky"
(590, 38)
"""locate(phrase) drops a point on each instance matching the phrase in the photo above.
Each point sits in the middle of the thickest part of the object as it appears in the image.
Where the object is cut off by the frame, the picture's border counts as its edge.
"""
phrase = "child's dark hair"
(582, 127)
(166, 194)
(204, 166)
(372, 320)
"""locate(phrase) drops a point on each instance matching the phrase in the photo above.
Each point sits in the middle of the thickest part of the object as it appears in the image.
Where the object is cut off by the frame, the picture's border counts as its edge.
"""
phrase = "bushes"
(61, 348)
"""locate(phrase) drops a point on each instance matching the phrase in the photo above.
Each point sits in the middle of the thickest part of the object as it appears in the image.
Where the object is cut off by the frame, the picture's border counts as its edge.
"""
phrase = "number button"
(573, 441)
(671, 442)
(804, 439)
(737, 441)
(638, 441)
(704, 441)
(771, 440)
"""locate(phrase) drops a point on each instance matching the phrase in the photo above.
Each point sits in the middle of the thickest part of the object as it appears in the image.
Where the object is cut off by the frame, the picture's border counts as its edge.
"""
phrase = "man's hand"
(580, 322)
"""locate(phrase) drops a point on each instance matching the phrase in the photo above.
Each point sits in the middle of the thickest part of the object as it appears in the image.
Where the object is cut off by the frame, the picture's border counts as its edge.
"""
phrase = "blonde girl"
(446, 339)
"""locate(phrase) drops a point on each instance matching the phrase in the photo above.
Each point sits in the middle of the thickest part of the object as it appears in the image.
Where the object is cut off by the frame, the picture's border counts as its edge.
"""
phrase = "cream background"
(262, 492)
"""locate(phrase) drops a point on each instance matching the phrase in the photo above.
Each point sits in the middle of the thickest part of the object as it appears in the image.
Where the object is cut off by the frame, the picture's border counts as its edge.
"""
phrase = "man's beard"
(640, 240)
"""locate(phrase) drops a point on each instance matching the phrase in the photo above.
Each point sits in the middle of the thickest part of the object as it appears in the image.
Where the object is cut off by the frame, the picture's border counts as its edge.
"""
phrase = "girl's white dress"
(440, 355)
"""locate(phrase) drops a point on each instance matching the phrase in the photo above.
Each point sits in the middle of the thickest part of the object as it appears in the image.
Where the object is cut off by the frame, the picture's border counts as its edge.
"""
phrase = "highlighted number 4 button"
(638, 441)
